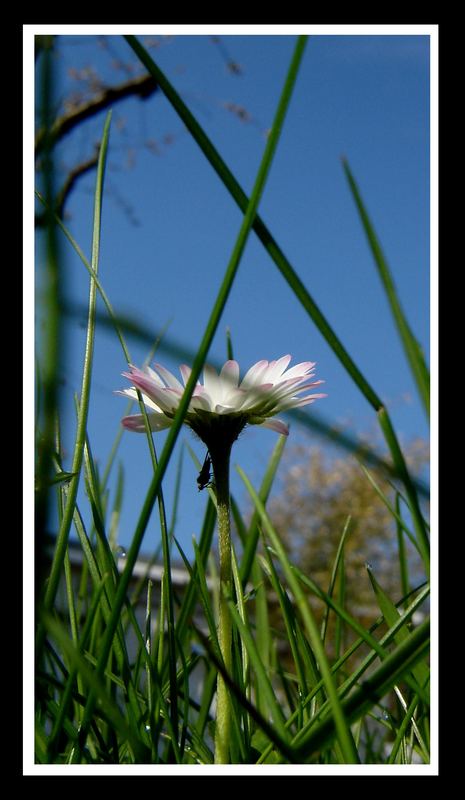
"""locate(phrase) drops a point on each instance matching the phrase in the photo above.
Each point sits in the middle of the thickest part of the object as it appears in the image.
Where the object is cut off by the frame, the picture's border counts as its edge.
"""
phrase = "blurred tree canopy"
(318, 493)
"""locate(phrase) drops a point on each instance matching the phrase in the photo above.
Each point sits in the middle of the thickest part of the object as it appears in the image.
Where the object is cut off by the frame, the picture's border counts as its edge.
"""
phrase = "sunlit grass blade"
(94, 275)
(344, 735)
(403, 473)
(401, 549)
(240, 742)
(411, 346)
(391, 615)
(253, 533)
(374, 687)
(407, 721)
(357, 675)
(337, 568)
(396, 515)
(305, 668)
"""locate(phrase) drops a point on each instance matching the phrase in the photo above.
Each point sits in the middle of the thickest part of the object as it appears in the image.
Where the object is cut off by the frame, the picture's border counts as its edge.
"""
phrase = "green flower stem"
(220, 462)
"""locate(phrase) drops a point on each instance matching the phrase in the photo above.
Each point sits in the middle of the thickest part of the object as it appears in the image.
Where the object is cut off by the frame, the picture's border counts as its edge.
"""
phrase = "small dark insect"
(204, 475)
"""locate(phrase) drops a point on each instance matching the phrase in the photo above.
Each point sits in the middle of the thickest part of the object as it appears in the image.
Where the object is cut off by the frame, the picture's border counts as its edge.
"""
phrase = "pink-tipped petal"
(169, 378)
(136, 422)
(276, 425)
(212, 383)
(300, 369)
(276, 369)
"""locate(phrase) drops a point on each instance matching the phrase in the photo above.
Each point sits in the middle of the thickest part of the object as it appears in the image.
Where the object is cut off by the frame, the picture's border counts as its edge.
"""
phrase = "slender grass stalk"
(403, 561)
(343, 731)
(411, 347)
(220, 462)
(337, 569)
(253, 532)
(68, 513)
(375, 686)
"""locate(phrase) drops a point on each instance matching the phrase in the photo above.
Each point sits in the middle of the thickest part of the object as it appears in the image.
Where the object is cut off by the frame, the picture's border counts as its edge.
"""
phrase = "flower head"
(223, 404)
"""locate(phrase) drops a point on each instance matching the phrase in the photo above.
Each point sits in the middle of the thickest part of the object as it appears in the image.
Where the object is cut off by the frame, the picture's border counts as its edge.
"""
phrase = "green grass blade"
(411, 346)
(407, 720)
(260, 672)
(303, 668)
(374, 687)
(262, 723)
(357, 675)
(392, 508)
(253, 532)
(404, 475)
(66, 697)
(391, 615)
(94, 275)
(92, 681)
(344, 735)
(68, 514)
(337, 566)
(403, 559)
(192, 591)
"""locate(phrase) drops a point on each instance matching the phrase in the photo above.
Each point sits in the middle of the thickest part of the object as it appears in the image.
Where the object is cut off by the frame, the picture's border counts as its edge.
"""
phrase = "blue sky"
(169, 227)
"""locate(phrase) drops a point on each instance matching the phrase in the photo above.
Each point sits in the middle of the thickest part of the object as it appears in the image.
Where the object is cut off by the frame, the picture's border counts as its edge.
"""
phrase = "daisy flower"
(218, 410)
(223, 404)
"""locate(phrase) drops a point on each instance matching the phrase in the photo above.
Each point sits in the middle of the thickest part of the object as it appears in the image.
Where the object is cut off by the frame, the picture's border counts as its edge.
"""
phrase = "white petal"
(253, 375)
(133, 395)
(166, 398)
(136, 422)
(169, 378)
(221, 409)
(300, 369)
(230, 374)
(297, 402)
(156, 378)
(235, 399)
(212, 384)
(276, 369)
(276, 425)
(256, 397)
(185, 372)
(201, 401)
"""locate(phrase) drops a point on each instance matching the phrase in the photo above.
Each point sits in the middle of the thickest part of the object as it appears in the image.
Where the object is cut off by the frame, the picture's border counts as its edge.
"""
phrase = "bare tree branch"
(80, 169)
(144, 87)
